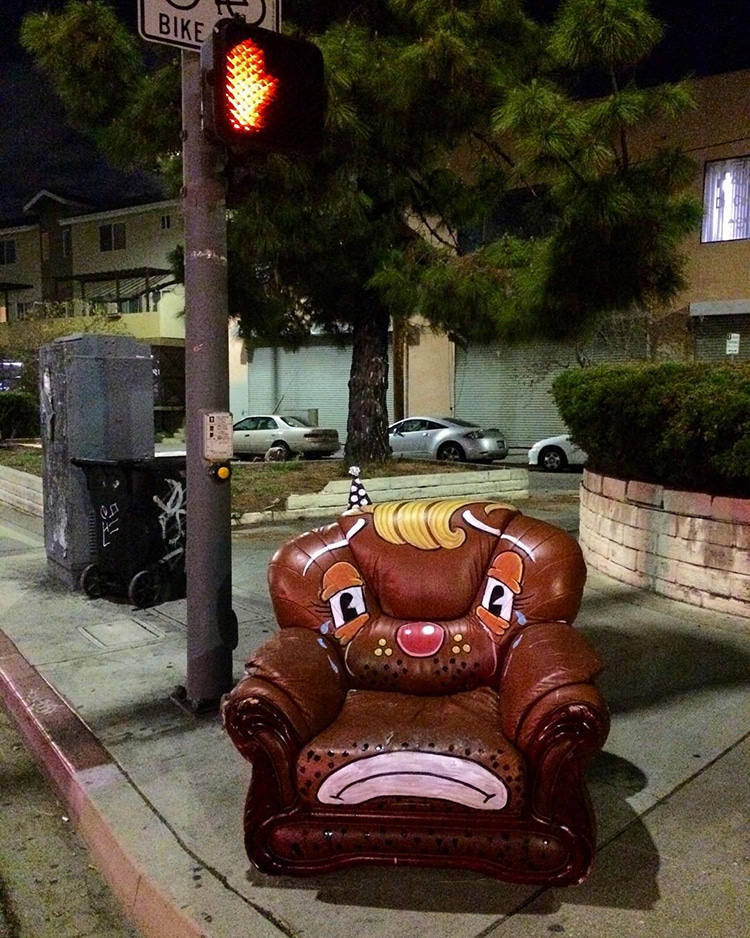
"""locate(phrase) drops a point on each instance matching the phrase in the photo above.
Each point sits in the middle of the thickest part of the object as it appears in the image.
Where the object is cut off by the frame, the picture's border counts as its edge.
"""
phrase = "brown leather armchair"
(426, 700)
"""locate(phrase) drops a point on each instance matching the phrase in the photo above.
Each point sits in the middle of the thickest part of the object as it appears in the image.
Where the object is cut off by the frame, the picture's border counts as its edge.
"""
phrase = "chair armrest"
(560, 736)
(299, 676)
(544, 659)
(294, 687)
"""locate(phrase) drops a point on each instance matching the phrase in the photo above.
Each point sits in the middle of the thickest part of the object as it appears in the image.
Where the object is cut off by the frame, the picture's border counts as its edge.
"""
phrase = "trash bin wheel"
(91, 581)
(145, 588)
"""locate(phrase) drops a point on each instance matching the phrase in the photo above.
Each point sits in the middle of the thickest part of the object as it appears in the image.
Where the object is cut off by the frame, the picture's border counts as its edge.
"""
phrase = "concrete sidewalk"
(158, 793)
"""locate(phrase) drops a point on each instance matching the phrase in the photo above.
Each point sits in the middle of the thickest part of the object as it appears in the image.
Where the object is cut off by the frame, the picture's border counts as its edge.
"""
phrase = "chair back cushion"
(424, 597)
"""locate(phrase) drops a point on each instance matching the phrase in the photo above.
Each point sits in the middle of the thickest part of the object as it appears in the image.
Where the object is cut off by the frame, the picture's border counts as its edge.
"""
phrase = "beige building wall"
(717, 128)
(429, 373)
(26, 269)
(147, 244)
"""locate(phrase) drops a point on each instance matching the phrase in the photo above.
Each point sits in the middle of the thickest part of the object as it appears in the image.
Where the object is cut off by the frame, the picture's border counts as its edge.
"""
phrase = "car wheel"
(281, 445)
(553, 459)
(451, 452)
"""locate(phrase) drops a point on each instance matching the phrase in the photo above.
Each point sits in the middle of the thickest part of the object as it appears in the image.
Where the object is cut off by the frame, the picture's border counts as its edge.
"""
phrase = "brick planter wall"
(689, 546)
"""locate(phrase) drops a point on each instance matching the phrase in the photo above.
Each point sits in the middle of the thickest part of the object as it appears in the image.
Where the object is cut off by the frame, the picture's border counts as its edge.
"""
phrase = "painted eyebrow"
(472, 520)
(355, 528)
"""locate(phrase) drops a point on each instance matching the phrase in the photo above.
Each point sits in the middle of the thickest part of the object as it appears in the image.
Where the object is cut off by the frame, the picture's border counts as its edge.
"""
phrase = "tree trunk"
(367, 425)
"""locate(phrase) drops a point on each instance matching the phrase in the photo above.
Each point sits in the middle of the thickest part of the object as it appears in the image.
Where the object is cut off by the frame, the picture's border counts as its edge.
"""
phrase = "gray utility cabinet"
(96, 402)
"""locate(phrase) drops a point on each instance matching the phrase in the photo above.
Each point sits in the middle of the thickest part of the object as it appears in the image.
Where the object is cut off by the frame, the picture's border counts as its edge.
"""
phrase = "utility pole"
(279, 110)
(250, 90)
(211, 623)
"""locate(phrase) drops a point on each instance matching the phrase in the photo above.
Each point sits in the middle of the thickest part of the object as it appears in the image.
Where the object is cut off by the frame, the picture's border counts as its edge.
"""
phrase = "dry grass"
(257, 485)
(23, 458)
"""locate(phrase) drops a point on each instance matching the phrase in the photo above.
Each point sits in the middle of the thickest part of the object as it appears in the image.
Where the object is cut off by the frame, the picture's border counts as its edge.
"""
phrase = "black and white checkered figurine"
(358, 496)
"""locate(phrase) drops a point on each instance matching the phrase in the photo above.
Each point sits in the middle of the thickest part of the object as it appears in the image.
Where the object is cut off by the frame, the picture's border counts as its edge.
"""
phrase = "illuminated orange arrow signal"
(250, 87)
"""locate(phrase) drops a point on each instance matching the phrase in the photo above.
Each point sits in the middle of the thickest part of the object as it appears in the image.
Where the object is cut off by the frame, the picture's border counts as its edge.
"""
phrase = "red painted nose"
(420, 639)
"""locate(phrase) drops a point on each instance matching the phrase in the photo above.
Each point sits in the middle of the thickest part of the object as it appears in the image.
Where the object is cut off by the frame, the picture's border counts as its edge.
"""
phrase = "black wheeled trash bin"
(137, 528)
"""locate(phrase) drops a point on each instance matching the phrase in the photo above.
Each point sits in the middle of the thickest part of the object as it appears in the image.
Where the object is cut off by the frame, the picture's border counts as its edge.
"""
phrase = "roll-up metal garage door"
(311, 382)
(711, 334)
(509, 386)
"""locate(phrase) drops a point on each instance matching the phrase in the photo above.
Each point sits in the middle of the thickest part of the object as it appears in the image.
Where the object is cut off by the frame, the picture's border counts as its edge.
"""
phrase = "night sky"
(38, 150)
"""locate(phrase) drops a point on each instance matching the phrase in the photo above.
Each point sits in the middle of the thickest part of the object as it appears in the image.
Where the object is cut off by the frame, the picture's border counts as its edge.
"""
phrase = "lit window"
(112, 237)
(7, 252)
(726, 200)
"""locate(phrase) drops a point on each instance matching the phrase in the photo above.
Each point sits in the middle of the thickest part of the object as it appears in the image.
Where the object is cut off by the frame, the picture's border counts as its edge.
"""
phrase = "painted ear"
(503, 584)
(343, 590)
(507, 567)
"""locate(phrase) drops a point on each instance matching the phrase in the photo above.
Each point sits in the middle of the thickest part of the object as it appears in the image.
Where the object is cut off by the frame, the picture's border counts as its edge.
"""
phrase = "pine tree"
(620, 213)
(437, 110)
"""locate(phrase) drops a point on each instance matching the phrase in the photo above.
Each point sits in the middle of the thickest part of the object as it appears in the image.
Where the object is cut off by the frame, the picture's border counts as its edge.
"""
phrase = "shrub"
(682, 425)
(19, 414)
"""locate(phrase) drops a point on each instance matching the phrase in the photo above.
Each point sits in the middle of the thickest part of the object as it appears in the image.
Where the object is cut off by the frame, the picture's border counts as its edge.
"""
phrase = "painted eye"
(498, 599)
(347, 604)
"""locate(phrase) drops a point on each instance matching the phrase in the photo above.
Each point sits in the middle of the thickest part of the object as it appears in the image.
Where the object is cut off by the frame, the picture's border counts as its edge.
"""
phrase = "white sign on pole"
(218, 440)
(188, 23)
(733, 343)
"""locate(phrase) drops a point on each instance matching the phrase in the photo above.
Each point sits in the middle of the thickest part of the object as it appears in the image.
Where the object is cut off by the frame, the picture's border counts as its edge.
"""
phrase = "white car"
(556, 453)
(255, 435)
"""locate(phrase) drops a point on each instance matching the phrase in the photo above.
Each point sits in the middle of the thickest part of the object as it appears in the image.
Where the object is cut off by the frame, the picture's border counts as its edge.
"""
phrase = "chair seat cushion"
(401, 752)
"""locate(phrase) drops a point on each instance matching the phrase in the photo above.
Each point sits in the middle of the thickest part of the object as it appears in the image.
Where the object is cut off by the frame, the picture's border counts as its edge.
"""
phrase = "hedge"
(682, 425)
(19, 415)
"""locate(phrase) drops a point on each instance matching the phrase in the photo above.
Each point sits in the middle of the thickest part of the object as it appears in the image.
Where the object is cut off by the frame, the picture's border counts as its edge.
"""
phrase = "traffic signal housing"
(262, 91)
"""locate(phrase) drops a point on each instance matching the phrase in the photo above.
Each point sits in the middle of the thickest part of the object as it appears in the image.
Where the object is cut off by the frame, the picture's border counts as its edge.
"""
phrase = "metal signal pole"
(211, 624)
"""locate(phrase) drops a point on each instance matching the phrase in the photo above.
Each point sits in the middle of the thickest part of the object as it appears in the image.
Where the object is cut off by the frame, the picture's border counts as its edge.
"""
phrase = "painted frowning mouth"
(415, 774)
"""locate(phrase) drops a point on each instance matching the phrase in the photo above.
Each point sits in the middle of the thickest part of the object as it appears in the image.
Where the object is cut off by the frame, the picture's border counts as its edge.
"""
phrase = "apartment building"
(111, 270)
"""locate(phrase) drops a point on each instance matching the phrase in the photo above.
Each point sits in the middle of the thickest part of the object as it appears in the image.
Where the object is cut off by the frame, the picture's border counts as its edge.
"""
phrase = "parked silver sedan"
(255, 435)
(446, 438)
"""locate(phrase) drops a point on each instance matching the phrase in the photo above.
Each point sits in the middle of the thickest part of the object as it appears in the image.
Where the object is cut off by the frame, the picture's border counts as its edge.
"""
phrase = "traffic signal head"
(262, 91)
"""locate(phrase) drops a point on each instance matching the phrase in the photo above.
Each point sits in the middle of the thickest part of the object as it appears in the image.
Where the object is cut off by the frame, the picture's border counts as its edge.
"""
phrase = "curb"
(78, 766)
(21, 490)
(507, 484)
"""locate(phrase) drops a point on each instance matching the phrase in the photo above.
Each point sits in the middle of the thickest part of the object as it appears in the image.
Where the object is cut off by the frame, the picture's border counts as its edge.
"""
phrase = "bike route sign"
(188, 23)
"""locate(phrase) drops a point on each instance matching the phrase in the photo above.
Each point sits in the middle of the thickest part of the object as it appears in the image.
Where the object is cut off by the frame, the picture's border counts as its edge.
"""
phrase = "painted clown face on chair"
(422, 596)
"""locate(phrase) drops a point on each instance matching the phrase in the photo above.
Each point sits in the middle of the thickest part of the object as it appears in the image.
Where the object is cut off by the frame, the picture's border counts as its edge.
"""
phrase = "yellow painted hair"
(423, 524)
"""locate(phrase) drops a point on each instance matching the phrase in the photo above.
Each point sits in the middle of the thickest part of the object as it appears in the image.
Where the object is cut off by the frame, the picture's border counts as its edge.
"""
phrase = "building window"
(67, 241)
(166, 222)
(726, 200)
(7, 252)
(112, 237)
